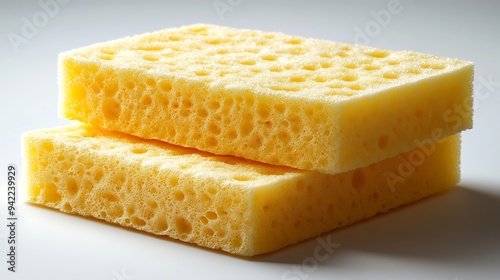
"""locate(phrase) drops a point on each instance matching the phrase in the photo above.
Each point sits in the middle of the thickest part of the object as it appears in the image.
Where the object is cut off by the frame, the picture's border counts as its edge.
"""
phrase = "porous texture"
(220, 202)
(279, 99)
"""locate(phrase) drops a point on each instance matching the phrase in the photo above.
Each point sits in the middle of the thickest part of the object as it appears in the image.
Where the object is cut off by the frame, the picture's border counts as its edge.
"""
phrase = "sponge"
(221, 202)
(270, 97)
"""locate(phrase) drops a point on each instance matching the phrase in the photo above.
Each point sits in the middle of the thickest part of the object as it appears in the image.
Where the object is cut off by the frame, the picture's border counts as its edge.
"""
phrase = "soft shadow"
(455, 227)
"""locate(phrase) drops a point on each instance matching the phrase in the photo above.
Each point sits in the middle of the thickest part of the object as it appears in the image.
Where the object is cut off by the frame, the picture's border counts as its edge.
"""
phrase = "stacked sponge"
(247, 141)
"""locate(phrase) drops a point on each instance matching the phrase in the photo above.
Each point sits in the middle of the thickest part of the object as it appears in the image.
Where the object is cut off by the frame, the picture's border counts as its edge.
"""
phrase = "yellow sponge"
(279, 99)
(220, 202)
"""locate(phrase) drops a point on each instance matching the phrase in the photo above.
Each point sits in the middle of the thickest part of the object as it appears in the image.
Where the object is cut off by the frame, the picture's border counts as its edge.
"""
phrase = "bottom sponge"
(220, 202)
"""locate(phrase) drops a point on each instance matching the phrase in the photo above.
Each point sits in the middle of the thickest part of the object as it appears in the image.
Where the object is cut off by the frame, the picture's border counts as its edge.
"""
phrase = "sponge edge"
(284, 100)
(221, 202)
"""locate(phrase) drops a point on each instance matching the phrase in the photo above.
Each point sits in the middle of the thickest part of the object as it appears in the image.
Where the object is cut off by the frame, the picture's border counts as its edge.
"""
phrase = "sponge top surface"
(228, 169)
(268, 63)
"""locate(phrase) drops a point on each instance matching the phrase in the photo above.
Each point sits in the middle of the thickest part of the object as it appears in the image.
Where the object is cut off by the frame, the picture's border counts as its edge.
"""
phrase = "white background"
(451, 236)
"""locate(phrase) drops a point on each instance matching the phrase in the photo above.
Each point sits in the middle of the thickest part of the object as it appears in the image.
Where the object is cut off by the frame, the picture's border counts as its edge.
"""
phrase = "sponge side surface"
(221, 202)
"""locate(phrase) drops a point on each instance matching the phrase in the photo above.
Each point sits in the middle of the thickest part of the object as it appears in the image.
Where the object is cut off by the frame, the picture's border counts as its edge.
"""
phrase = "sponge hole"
(202, 112)
(438, 67)
(236, 241)
(356, 87)
(139, 150)
(283, 136)
(204, 220)
(212, 191)
(349, 78)
(72, 186)
(201, 73)
(294, 41)
(263, 110)
(248, 62)
(79, 92)
(213, 41)
(48, 146)
(214, 105)
(138, 222)
(383, 140)
(98, 174)
(269, 57)
(232, 134)
(276, 69)
(179, 196)
(323, 162)
(246, 128)
(211, 215)
(297, 79)
(242, 178)
(326, 65)
(67, 207)
(280, 108)
(165, 86)
(150, 57)
(111, 109)
(162, 224)
(252, 50)
(351, 66)
(187, 103)
(209, 232)
(214, 129)
(51, 194)
(320, 79)
(222, 51)
(391, 76)
(152, 204)
(211, 142)
(325, 55)
(151, 82)
(310, 67)
(105, 56)
(174, 181)
(146, 100)
(378, 54)
(111, 197)
(358, 179)
(343, 54)
(130, 85)
(371, 68)
(182, 225)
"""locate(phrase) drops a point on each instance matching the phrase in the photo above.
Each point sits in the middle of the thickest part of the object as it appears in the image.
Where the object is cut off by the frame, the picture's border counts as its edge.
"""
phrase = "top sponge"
(304, 103)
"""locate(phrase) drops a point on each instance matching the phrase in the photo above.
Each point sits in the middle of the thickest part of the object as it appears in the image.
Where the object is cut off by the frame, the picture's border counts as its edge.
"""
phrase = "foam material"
(274, 98)
(220, 202)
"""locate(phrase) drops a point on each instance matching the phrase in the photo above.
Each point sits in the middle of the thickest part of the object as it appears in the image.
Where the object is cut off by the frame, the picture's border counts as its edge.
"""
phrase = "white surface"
(452, 236)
